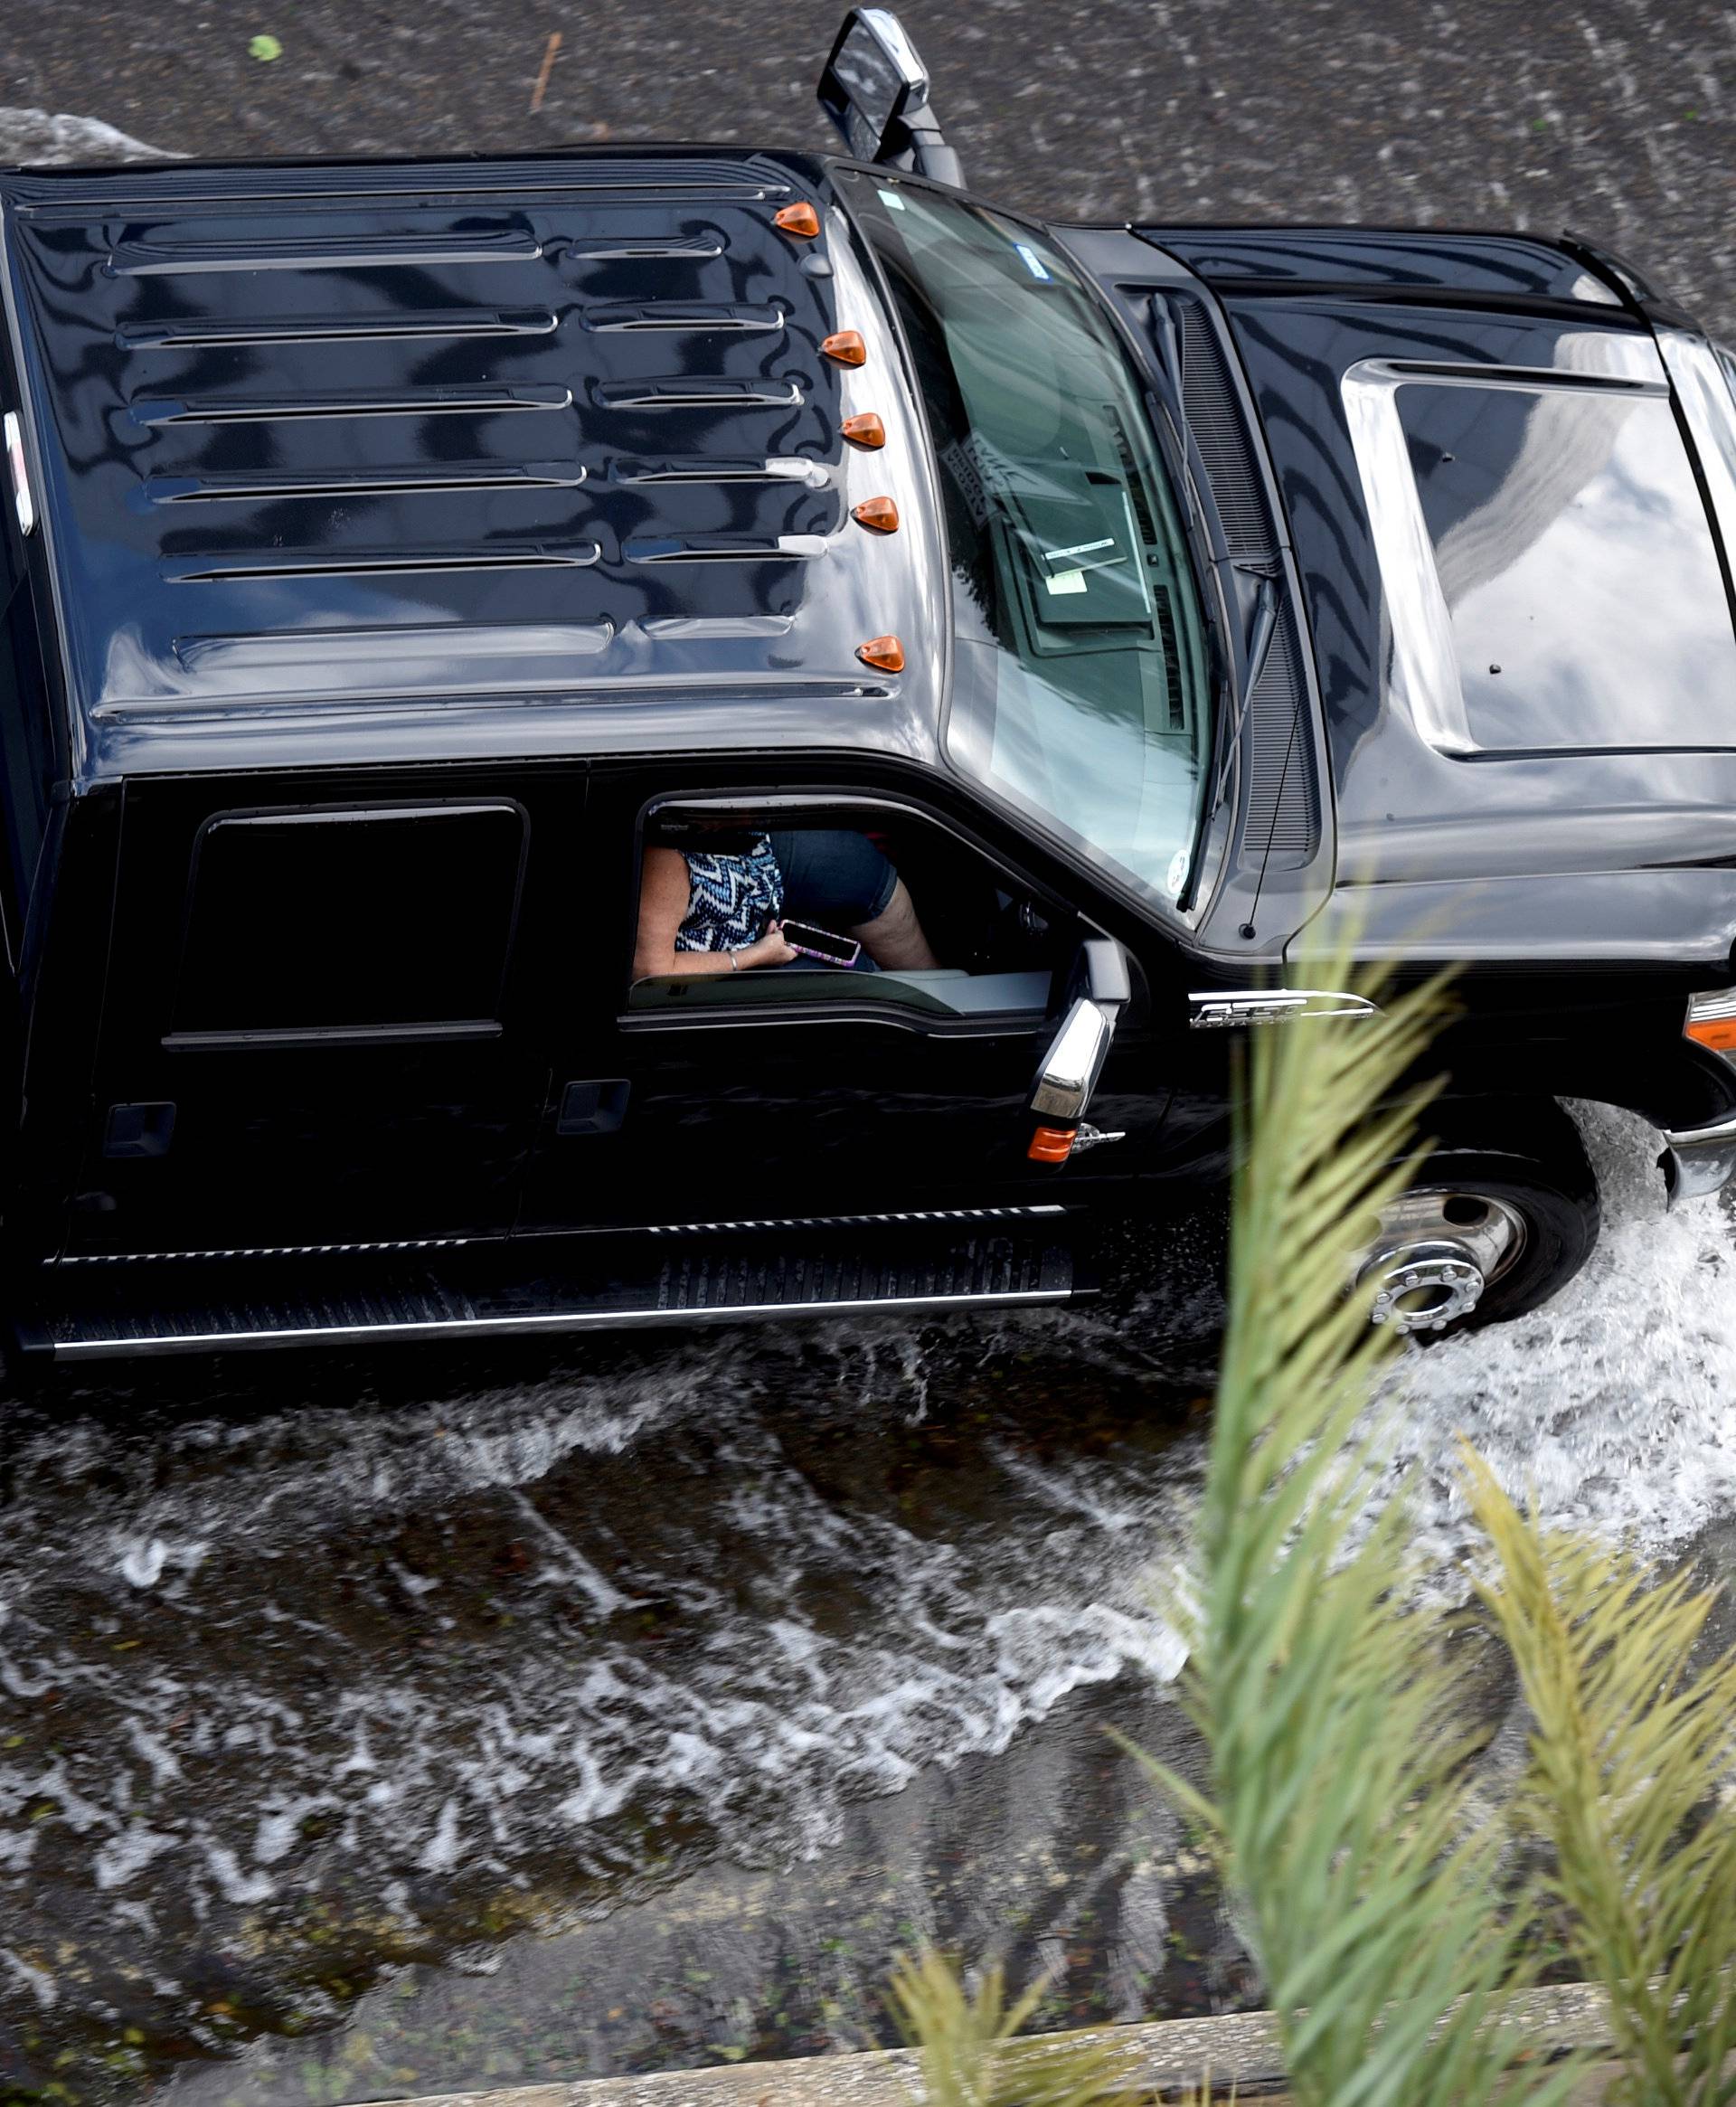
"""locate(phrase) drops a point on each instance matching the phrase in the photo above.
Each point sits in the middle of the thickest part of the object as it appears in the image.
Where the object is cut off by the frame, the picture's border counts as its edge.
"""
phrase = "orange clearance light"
(1051, 1144)
(877, 513)
(798, 218)
(886, 653)
(864, 430)
(846, 346)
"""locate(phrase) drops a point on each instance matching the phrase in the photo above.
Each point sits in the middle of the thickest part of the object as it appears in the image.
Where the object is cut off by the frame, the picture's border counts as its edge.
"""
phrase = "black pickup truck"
(658, 734)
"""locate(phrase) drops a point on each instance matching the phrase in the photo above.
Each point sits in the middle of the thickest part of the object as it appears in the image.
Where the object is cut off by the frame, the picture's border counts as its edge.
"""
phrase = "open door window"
(884, 911)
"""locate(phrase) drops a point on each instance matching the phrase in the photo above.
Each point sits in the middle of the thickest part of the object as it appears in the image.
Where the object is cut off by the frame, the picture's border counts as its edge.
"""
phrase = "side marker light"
(885, 654)
(864, 430)
(845, 346)
(1051, 1144)
(880, 514)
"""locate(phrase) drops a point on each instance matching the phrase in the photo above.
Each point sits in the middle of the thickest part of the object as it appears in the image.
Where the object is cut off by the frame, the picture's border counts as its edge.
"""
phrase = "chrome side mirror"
(1062, 1090)
(873, 76)
(875, 89)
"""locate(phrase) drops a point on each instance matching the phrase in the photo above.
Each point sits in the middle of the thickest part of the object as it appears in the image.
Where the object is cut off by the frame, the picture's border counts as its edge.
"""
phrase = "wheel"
(1490, 1229)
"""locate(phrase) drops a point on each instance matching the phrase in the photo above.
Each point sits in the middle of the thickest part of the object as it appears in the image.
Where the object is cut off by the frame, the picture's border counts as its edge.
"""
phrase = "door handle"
(1089, 1136)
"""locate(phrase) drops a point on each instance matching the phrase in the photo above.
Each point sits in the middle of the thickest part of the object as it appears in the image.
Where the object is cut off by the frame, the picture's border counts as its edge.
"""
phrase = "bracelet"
(735, 963)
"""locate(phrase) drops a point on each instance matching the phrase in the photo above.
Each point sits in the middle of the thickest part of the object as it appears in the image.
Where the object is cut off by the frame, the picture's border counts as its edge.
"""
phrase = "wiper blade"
(1262, 626)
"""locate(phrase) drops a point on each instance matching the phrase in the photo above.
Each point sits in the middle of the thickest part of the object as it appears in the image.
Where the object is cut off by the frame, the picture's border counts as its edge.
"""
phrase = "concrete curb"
(1160, 2058)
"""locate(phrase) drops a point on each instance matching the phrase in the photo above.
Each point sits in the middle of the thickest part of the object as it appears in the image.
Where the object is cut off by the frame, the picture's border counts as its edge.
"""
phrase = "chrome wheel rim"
(1439, 1251)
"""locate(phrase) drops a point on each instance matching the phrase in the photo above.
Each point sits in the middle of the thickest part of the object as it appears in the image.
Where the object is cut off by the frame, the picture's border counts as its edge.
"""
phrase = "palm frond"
(1337, 1795)
(969, 2055)
(1629, 1754)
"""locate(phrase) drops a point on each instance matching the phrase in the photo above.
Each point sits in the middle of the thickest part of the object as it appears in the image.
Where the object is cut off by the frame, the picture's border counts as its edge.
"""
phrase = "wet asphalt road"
(1617, 116)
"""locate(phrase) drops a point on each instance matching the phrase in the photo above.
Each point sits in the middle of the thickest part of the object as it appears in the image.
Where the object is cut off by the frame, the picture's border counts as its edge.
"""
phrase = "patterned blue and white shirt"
(731, 898)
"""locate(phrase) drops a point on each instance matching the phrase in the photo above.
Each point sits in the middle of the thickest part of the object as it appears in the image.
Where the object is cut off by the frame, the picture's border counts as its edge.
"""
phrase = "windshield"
(1081, 689)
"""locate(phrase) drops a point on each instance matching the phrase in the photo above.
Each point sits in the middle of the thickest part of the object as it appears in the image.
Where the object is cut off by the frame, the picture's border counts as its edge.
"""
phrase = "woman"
(715, 904)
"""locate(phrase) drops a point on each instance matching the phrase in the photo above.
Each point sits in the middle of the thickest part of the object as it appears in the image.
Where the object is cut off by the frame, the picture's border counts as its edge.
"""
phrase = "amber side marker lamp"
(1711, 1020)
(1051, 1144)
(880, 514)
(864, 430)
(885, 654)
(845, 346)
(798, 218)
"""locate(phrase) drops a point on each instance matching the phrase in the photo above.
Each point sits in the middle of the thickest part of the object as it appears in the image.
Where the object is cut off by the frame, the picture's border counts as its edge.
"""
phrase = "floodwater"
(376, 1727)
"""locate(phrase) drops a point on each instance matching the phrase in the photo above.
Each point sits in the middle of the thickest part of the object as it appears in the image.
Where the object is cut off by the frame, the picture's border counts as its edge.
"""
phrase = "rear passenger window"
(350, 922)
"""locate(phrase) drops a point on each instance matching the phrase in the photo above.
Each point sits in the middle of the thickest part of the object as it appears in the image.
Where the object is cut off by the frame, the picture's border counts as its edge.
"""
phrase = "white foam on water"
(464, 1756)
(1614, 1406)
(825, 1642)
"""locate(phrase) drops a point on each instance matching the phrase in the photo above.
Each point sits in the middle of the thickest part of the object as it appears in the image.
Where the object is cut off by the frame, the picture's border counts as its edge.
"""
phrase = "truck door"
(781, 1094)
(323, 1025)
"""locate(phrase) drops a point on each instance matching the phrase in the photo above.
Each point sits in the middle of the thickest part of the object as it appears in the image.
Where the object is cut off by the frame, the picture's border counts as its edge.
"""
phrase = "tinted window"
(305, 922)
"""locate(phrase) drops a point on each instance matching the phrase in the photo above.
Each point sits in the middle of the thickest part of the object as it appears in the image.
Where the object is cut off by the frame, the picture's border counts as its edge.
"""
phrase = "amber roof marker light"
(884, 654)
(798, 219)
(864, 430)
(879, 515)
(845, 346)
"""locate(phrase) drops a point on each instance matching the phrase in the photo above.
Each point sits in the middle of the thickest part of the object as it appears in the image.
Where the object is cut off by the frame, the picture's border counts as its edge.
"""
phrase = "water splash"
(1614, 1406)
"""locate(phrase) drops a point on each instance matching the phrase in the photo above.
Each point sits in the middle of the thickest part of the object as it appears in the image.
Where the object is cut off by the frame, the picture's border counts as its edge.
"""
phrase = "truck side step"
(96, 1309)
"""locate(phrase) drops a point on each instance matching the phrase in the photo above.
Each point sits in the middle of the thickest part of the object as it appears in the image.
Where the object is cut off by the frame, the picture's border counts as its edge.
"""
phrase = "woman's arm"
(666, 893)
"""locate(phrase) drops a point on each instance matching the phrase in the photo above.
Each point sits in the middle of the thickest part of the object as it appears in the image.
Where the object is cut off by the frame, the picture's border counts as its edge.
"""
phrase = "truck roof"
(464, 458)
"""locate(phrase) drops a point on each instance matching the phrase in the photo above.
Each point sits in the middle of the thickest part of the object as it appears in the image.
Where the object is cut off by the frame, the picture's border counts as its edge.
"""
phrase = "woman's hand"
(770, 951)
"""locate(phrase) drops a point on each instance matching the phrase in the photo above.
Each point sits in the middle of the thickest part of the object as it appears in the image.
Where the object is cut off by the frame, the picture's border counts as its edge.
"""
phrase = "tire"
(1523, 1182)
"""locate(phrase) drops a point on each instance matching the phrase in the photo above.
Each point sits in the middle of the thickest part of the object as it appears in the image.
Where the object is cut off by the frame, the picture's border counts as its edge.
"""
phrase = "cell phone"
(820, 943)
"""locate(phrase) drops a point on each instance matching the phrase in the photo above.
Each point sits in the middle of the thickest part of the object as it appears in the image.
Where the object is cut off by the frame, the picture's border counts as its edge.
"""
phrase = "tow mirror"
(1061, 1093)
(875, 89)
(1072, 1064)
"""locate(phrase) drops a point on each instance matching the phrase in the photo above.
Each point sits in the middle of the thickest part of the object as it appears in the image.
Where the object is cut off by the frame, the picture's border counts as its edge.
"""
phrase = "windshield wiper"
(1262, 626)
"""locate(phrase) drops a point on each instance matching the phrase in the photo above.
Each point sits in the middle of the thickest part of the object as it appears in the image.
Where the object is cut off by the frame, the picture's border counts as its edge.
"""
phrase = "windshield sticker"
(894, 203)
(1033, 263)
(1066, 582)
(1178, 876)
(1079, 548)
